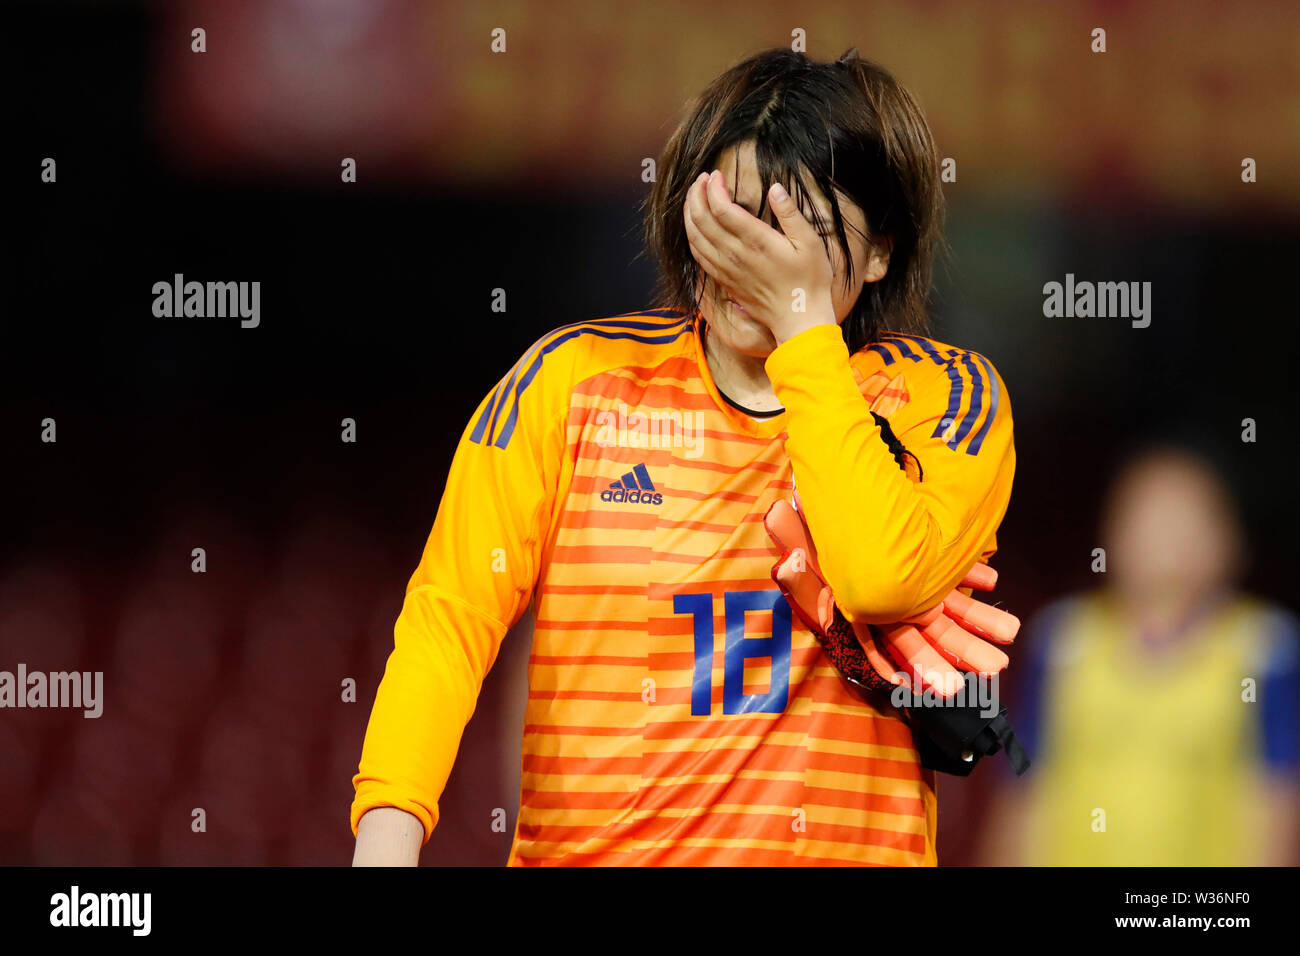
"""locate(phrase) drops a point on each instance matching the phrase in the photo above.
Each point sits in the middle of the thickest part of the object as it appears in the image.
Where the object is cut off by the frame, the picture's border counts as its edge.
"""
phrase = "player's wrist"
(794, 323)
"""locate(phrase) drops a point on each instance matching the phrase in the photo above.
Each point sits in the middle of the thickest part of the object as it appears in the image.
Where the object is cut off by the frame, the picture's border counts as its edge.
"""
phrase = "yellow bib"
(1150, 757)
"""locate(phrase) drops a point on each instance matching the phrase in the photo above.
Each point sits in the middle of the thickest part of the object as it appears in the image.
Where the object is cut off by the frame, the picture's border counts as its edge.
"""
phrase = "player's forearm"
(441, 652)
(876, 541)
(387, 836)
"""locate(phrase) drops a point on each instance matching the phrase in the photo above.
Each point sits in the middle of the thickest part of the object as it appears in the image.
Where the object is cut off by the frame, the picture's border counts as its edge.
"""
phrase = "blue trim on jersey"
(978, 367)
(978, 441)
(995, 393)
(900, 343)
(660, 313)
(480, 426)
(508, 427)
(880, 349)
(487, 421)
(504, 389)
(489, 411)
(925, 345)
(956, 389)
(976, 402)
(616, 323)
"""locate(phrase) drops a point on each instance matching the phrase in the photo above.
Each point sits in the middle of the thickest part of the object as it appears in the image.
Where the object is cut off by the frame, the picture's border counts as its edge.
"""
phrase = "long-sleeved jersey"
(678, 713)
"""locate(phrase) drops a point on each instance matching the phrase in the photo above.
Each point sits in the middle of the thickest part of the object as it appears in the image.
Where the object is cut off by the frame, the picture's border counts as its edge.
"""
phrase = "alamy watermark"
(208, 300)
(1084, 300)
(75, 908)
(975, 690)
(662, 428)
(77, 689)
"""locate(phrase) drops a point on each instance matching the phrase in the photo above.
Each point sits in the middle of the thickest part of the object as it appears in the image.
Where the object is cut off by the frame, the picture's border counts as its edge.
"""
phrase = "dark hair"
(853, 128)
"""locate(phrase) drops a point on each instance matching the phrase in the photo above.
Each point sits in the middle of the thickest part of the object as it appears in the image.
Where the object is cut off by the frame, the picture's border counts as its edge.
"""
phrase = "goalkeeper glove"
(929, 652)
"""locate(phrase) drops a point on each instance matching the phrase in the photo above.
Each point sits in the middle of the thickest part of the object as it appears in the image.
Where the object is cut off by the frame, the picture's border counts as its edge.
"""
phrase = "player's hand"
(759, 267)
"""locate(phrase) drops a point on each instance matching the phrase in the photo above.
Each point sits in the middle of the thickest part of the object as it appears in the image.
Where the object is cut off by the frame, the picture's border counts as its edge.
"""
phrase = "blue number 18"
(737, 650)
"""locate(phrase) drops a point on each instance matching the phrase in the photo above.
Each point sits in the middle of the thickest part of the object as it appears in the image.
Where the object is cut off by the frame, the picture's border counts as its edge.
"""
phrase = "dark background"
(222, 689)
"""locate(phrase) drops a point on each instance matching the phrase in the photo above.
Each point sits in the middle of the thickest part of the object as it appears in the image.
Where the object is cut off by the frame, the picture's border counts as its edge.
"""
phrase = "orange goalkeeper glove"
(938, 647)
(928, 652)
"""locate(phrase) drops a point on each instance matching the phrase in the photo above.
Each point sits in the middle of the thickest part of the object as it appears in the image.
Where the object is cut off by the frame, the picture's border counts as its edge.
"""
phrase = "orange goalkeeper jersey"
(677, 712)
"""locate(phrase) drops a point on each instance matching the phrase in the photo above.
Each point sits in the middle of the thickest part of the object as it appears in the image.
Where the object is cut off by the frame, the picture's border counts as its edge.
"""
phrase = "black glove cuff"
(949, 739)
(953, 739)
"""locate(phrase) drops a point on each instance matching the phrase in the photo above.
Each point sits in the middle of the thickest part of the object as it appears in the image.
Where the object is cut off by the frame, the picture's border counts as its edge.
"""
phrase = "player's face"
(743, 334)
(1170, 534)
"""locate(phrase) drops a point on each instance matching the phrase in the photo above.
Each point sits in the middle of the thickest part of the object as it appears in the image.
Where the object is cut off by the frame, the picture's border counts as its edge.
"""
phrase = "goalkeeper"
(680, 711)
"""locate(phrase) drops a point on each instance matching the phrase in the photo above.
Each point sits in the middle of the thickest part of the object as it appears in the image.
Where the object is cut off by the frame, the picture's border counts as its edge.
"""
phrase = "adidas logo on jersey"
(633, 488)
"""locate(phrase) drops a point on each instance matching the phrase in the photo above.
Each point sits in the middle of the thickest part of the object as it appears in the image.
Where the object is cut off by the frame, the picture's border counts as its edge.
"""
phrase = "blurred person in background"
(1161, 709)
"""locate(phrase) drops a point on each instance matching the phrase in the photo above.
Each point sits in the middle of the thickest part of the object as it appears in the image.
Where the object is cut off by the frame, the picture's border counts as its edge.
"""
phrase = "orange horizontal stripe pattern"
(616, 768)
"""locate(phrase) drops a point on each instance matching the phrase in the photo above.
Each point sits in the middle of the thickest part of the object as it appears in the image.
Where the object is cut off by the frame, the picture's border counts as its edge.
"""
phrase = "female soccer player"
(619, 475)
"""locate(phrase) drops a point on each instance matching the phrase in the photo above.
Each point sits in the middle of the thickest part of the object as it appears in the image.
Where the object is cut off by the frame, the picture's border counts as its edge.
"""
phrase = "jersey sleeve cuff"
(387, 795)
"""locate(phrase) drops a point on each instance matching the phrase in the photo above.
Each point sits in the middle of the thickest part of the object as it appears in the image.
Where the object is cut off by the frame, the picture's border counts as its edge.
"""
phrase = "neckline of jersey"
(765, 428)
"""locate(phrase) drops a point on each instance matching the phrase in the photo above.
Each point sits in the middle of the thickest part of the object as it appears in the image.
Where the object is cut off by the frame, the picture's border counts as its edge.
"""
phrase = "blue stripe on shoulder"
(659, 313)
(521, 376)
(976, 401)
(980, 371)
(879, 348)
(955, 389)
(974, 447)
(956, 386)
(900, 343)
(925, 345)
